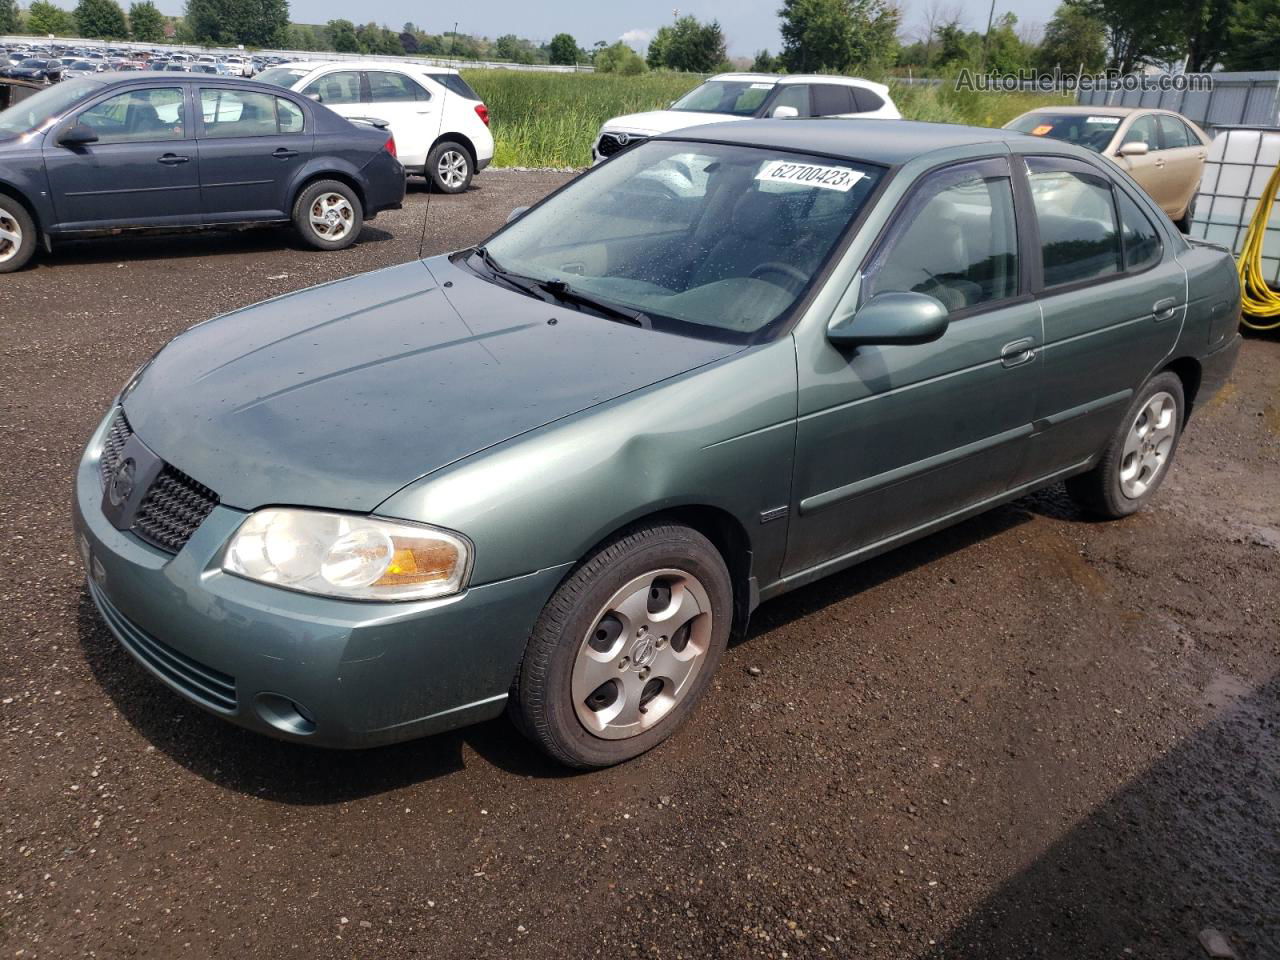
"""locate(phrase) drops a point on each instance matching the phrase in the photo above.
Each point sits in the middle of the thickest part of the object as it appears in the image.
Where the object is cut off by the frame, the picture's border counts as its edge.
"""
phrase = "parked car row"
(136, 151)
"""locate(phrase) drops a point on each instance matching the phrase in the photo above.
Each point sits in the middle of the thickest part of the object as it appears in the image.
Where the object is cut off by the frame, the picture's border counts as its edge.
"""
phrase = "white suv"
(742, 96)
(440, 125)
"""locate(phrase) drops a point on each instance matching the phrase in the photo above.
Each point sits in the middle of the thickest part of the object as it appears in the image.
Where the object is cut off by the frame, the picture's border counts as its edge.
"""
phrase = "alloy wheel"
(10, 235)
(332, 216)
(640, 657)
(452, 168)
(1148, 444)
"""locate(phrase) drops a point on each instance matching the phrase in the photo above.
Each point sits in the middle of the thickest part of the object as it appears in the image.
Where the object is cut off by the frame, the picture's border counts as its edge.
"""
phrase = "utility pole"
(986, 40)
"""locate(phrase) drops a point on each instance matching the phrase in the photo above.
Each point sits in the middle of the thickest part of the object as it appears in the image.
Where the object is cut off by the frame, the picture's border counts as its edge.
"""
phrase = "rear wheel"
(449, 167)
(1137, 458)
(17, 235)
(328, 215)
(625, 647)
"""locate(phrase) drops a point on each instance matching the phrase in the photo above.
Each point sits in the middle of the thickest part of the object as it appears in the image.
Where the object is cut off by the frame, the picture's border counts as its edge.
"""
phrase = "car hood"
(339, 395)
(663, 121)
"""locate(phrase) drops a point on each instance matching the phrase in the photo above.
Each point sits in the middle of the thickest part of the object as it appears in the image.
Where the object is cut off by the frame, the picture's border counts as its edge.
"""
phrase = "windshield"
(707, 239)
(282, 76)
(36, 64)
(47, 105)
(1092, 131)
(742, 98)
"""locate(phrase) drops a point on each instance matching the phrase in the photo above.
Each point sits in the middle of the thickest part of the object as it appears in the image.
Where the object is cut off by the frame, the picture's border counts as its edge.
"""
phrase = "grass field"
(550, 119)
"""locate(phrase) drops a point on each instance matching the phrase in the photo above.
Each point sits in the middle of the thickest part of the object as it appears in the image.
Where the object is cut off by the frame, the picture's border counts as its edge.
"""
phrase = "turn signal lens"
(348, 556)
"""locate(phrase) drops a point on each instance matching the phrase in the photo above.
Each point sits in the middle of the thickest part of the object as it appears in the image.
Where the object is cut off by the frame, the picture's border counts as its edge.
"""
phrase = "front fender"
(722, 436)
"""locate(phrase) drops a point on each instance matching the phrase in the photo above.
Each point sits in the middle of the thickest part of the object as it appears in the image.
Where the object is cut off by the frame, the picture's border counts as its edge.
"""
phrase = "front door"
(252, 146)
(143, 170)
(894, 438)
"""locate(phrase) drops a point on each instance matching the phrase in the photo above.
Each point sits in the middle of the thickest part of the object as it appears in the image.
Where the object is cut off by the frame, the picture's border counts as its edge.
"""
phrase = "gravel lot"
(1029, 736)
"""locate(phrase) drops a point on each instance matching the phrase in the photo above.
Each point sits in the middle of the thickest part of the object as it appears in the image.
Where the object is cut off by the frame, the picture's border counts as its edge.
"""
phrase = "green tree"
(1138, 31)
(688, 45)
(146, 22)
(1003, 49)
(342, 36)
(838, 34)
(256, 23)
(564, 49)
(955, 45)
(1073, 37)
(101, 19)
(9, 18)
(43, 17)
(765, 63)
(619, 58)
(1208, 32)
(1252, 37)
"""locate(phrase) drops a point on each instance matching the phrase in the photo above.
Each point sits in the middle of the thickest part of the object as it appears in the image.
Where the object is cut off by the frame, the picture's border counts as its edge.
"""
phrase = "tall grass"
(551, 119)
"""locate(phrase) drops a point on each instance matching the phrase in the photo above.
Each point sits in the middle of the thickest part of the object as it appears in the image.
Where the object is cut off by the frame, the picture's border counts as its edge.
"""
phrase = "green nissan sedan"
(553, 474)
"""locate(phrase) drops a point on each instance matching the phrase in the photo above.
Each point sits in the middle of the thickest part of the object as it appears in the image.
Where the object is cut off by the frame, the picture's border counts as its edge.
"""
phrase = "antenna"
(444, 99)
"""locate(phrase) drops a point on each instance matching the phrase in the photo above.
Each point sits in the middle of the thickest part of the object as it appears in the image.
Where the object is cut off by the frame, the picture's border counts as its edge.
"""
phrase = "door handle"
(170, 159)
(283, 154)
(1164, 309)
(1018, 352)
(1159, 161)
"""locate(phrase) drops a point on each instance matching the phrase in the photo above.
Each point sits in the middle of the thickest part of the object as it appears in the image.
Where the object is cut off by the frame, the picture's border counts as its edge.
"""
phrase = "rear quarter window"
(455, 84)
(865, 101)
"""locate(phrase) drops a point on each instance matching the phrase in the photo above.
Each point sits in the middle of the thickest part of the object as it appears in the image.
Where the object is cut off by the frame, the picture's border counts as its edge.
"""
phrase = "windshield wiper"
(566, 294)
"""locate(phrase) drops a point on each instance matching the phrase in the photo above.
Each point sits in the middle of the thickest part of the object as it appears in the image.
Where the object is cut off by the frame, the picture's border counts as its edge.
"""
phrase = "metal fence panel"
(1246, 97)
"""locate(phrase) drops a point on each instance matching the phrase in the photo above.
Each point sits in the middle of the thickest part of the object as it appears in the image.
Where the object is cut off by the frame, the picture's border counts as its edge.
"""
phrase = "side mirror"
(315, 97)
(516, 213)
(77, 136)
(891, 318)
(784, 113)
(1134, 148)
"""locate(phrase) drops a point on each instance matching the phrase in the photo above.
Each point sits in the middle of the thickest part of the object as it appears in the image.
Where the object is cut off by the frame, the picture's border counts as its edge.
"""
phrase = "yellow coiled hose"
(1260, 301)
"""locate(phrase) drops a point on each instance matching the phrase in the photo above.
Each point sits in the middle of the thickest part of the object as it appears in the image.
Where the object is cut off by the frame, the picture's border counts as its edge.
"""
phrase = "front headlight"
(348, 556)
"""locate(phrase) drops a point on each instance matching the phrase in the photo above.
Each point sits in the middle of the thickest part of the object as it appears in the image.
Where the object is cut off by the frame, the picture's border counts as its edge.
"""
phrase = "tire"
(672, 640)
(17, 235)
(449, 167)
(1146, 439)
(328, 215)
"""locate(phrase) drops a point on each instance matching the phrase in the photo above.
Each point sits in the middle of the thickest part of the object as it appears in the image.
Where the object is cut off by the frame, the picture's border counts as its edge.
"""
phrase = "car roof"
(887, 142)
(1100, 111)
(798, 78)
(371, 65)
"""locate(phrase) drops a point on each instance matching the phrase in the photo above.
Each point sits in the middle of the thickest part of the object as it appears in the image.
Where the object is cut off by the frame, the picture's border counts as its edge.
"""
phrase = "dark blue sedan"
(140, 151)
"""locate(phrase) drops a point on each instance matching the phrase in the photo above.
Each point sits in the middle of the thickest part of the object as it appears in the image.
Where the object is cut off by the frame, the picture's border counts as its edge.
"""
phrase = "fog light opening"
(285, 714)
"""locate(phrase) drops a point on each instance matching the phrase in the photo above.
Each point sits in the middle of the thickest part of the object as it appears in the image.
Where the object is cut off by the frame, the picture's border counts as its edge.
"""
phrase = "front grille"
(172, 509)
(611, 143)
(201, 683)
(117, 437)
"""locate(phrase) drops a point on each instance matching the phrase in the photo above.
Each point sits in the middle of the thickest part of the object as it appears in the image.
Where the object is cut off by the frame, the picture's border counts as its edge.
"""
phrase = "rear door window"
(1142, 247)
(388, 87)
(237, 113)
(1076, 214)
(831, 100)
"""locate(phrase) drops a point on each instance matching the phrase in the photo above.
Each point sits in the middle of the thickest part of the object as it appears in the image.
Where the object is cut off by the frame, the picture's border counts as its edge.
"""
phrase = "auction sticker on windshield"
(809, 175)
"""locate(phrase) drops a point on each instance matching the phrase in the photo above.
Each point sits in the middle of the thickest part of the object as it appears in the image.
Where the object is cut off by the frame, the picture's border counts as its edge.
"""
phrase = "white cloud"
(637, 37)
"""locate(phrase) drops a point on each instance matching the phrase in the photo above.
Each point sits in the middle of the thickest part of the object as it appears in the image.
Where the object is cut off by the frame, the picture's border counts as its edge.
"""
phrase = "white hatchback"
(743, 96)
(440, 125)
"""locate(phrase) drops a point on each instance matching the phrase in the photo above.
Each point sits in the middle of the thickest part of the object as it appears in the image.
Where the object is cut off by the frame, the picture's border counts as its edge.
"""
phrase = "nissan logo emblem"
(122, 482)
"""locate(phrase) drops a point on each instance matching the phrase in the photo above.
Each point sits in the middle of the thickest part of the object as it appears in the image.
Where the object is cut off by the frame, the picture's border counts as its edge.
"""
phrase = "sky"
(749, 25)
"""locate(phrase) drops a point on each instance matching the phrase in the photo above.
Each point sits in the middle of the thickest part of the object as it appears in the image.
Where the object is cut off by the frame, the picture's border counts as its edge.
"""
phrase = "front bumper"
(332, 673)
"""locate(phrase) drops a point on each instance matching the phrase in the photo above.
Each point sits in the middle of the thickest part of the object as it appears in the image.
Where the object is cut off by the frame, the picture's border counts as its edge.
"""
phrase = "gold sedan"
(1162, 150)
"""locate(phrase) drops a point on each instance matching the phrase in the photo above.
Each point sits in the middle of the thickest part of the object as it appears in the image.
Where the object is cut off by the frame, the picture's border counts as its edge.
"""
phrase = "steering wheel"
(777, 266)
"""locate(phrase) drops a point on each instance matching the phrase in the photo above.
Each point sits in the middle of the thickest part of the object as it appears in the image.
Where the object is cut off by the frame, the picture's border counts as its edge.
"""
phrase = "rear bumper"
(385, 184)
(1216, 367)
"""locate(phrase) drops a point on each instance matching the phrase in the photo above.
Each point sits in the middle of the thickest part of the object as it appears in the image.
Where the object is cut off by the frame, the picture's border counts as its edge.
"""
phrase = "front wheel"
(449, 167)
(328, 215)
(1137, 458)
(17, 235)
(626, 647)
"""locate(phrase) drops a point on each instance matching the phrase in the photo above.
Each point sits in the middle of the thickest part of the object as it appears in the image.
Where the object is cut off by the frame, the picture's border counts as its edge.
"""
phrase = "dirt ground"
(1029, 736)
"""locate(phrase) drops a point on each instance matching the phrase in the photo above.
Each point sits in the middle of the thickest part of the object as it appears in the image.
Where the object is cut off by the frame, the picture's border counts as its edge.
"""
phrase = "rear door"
(252, 145)
(144, 169)
(1184, 157)
(1113, 298)
(408, 107)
